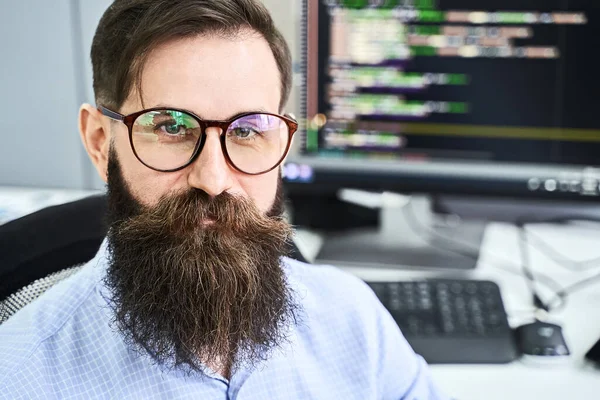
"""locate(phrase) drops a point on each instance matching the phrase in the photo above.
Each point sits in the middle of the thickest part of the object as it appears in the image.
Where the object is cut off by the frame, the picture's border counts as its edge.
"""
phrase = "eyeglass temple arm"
(111, 114)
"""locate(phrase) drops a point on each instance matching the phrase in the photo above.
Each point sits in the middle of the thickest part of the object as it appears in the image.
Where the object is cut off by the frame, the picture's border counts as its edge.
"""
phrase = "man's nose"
(210, 171)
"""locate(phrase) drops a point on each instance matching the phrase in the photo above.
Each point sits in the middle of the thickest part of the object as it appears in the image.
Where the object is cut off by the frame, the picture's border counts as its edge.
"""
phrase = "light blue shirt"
(347, 347)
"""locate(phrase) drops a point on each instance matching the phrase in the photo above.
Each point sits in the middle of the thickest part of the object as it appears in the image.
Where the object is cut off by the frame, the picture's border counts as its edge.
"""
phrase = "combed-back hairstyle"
(130, 29)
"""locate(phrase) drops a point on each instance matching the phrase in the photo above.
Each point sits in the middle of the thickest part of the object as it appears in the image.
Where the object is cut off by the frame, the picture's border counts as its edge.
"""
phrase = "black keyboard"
(451, 321)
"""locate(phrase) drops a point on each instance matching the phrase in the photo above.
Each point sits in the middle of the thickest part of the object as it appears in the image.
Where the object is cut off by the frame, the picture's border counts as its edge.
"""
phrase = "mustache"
(187, 212)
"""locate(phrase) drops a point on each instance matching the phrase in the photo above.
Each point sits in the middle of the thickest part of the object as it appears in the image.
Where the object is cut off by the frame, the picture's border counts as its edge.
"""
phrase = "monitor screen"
(451, 96)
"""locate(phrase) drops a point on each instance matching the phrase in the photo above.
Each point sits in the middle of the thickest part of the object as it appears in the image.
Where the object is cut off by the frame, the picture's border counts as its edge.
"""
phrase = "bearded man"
(191, 294)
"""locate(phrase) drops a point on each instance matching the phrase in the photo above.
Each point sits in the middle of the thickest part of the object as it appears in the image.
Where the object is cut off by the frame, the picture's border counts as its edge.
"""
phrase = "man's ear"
(95, 135)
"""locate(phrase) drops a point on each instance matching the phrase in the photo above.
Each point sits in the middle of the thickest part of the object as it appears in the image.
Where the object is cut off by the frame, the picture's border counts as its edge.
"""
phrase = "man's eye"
(244, 132)
(172, 129)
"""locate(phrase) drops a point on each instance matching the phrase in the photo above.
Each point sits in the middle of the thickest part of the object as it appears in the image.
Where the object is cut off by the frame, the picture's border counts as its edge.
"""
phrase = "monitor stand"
(409, 235)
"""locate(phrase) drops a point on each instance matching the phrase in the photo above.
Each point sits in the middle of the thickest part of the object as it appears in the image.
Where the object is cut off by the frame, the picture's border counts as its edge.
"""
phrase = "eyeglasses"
(168, 140)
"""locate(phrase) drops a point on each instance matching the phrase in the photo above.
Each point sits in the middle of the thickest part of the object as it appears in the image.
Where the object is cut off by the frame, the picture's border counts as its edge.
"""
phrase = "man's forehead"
(215, 77)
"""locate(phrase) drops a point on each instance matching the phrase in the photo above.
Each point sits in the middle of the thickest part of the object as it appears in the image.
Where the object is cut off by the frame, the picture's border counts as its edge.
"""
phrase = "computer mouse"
(541, 339)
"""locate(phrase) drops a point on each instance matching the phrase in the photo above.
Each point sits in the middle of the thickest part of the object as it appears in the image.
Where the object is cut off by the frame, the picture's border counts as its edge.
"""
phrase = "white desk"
(580, 318)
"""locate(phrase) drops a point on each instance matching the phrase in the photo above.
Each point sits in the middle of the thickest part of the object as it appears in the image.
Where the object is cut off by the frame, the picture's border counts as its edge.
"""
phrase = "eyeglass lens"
(166, 139)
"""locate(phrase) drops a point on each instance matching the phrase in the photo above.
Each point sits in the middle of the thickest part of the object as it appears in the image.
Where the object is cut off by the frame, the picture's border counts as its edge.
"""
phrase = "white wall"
(39, 96)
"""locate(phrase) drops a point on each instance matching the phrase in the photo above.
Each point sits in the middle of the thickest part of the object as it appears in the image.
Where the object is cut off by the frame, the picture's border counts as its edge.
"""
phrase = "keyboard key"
(456, 288)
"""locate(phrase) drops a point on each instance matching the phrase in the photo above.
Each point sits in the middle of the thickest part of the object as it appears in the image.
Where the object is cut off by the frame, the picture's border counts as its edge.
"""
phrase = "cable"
(527, 271)
(561, 259)
(561, 293)
(415, 225)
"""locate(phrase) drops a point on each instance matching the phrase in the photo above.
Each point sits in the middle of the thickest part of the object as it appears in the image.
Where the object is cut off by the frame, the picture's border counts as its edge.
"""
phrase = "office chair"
(41, 249)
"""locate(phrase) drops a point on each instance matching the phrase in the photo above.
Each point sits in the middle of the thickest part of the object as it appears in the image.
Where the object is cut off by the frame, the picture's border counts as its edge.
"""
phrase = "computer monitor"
(462, 97)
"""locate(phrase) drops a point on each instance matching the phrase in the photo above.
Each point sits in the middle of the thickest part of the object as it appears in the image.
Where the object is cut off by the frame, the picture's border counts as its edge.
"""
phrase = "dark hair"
(130, 29)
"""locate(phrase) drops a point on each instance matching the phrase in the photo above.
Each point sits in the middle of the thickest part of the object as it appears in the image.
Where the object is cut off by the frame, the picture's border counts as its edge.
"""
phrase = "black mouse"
(541, 339)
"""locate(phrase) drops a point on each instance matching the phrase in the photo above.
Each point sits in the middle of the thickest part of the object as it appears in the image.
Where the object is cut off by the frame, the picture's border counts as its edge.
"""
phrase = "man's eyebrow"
(167, 106)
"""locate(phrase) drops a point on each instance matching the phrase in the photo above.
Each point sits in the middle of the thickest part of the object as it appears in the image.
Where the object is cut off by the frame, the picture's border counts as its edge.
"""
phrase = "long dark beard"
(190, 293)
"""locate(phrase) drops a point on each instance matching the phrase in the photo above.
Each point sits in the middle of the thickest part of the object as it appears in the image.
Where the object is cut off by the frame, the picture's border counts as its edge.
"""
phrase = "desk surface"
(580, 319)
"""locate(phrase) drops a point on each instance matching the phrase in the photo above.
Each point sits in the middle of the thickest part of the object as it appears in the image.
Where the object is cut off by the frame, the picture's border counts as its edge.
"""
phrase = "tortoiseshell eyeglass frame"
(204, 124)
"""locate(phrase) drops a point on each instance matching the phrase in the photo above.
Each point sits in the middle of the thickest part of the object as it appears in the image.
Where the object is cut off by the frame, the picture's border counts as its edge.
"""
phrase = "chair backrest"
(41, 249)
